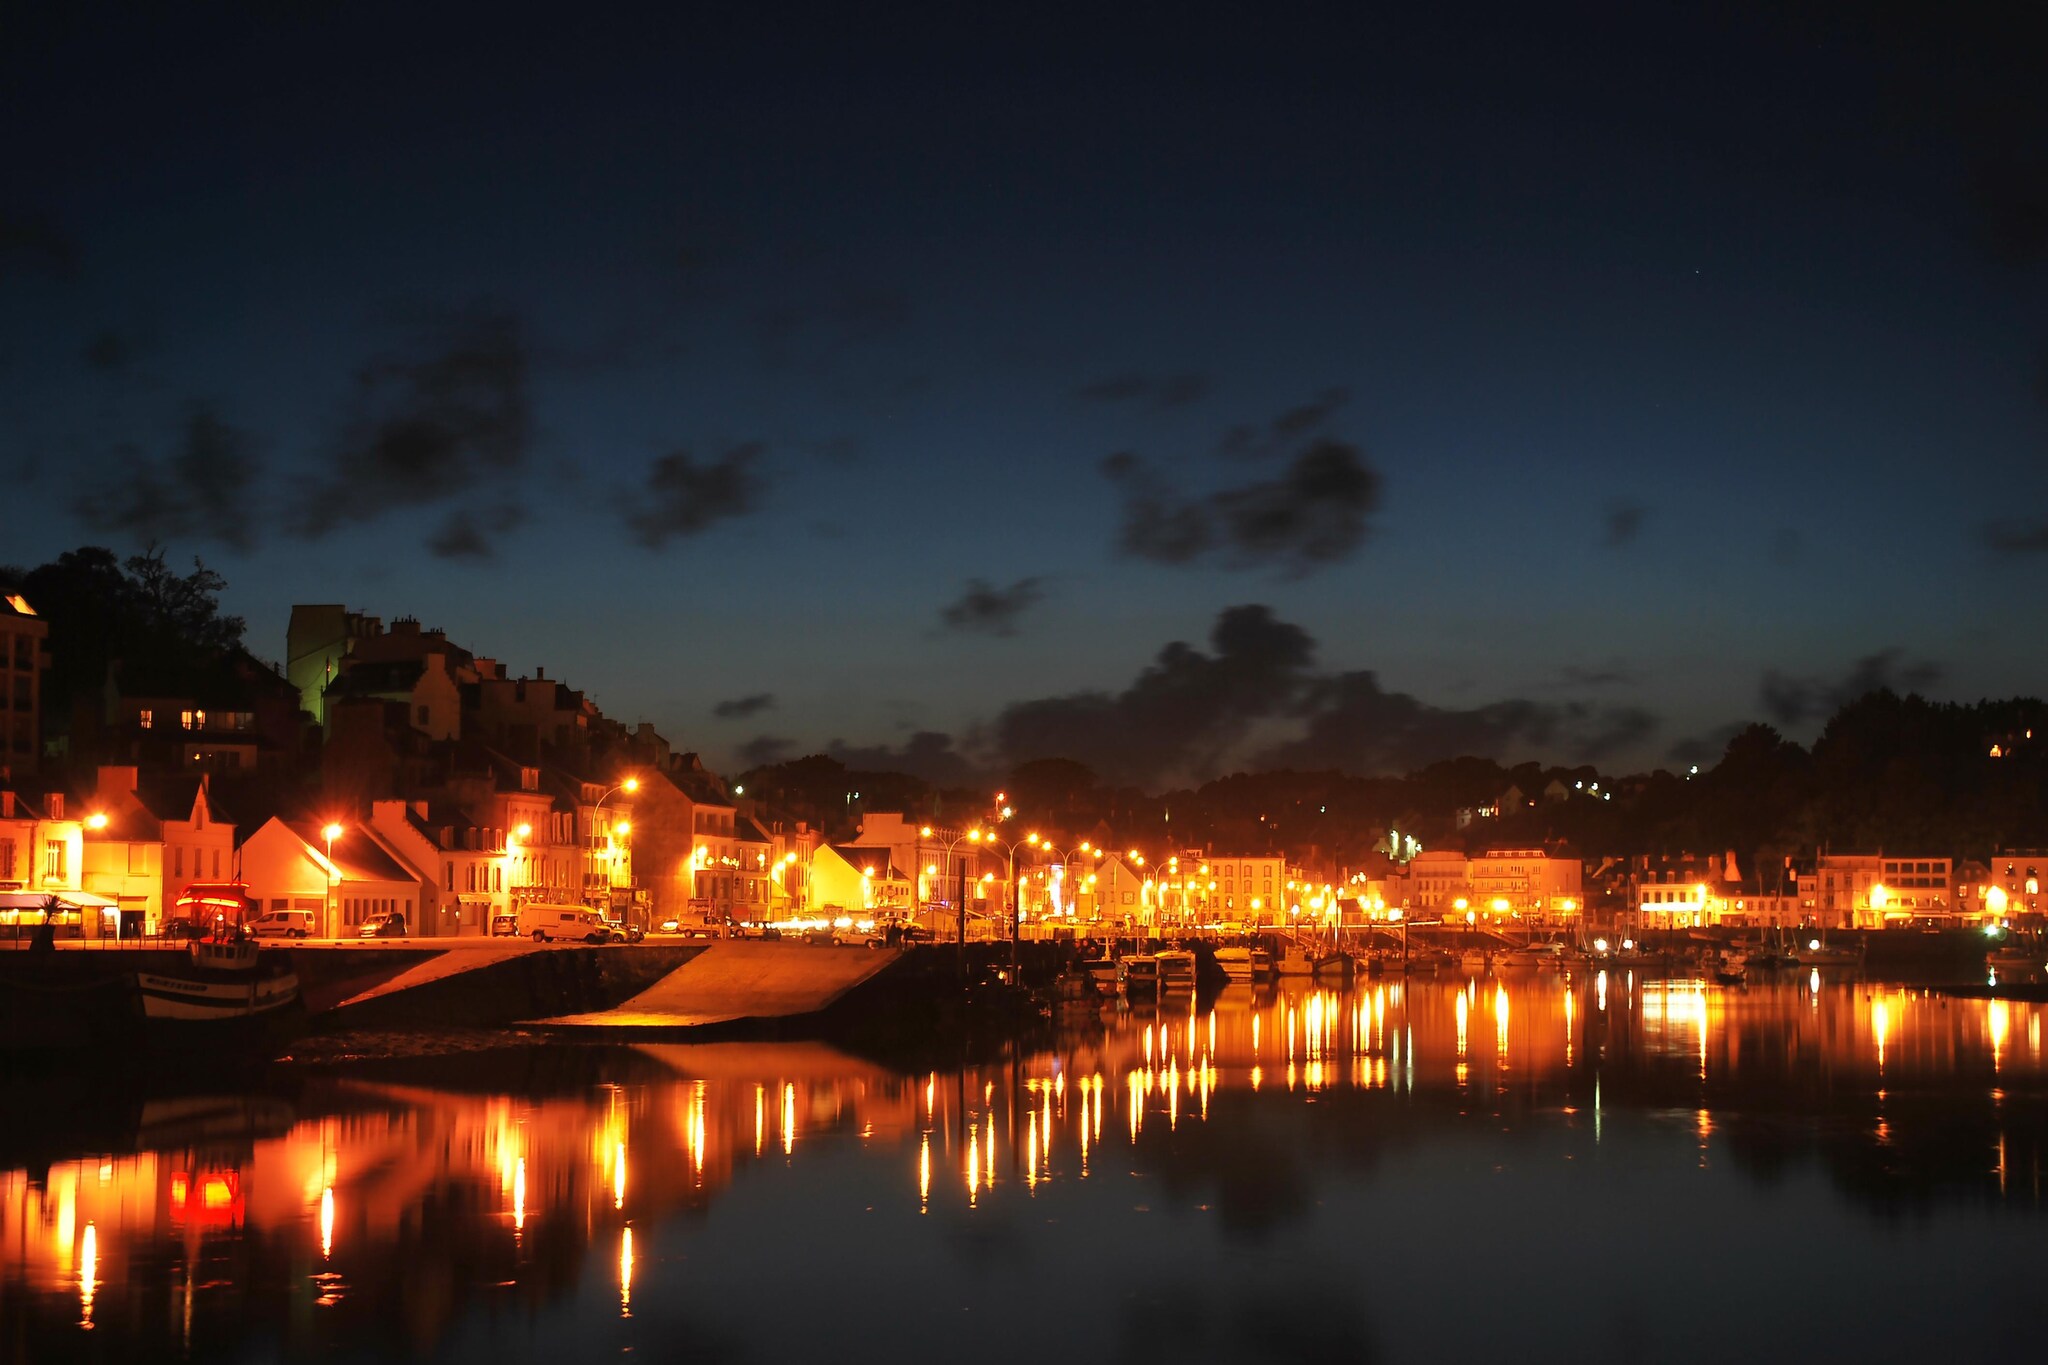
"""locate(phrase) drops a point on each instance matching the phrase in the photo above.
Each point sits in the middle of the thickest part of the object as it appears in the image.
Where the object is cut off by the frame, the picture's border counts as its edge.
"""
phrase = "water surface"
(1453, 1169)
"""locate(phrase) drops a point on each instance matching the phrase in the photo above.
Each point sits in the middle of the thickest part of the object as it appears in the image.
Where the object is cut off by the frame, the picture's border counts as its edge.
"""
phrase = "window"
(6, 860)
(216, 863)
(422, 717)
(146, 718)
(178, 861)
(53, 860)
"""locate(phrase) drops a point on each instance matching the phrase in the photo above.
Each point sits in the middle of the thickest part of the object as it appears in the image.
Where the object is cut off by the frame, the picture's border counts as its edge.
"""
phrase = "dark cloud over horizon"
(1159, 391)
(33, 244)
(1314, 514)
(1622, 523)
(201, 490)
(1286, 431)
(683, 497)
(471, 535)
(1182, 714)
(1789, 701)
(2015, 538)
(751, 705)
(447, 417)
(990, 610)
(928, 755)
(1353, 723)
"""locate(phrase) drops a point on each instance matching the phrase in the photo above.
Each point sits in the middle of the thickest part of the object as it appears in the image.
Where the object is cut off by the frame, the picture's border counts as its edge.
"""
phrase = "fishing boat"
(1818, 952)
(1176, 971)
(1335, 966)
(1727, 968)
(1234, 960)
(1102, 970)
(224, 977)
(1542, 956)
(1294, 959)
(1138, 975)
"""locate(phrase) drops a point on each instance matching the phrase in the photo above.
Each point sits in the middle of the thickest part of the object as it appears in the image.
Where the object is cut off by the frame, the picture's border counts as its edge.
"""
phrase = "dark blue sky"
(1590, 377)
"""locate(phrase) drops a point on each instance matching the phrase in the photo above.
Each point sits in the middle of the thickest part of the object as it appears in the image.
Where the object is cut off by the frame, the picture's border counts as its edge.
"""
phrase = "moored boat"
(1727, 968)
(1176, 970)
(1138, 974)
(1234, 960)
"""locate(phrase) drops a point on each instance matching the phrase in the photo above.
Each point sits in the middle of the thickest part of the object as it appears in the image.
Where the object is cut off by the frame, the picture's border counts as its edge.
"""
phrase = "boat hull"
(172, 998)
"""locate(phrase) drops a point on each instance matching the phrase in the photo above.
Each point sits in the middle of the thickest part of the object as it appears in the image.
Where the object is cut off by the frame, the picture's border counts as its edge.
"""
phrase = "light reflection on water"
(457, 1220)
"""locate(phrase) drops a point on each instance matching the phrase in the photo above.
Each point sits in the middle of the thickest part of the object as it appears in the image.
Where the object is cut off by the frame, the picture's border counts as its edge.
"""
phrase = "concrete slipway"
(733, 980)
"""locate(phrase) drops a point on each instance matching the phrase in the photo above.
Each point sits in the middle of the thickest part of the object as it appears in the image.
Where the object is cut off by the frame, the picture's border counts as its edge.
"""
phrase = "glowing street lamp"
(330, 832)
(619, 828)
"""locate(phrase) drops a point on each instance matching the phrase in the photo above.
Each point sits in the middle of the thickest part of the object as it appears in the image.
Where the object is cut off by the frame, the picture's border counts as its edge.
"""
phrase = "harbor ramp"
(737, 980)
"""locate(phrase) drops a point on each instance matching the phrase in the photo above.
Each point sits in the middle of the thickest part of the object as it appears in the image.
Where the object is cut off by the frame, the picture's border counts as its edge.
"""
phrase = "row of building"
(451, 793)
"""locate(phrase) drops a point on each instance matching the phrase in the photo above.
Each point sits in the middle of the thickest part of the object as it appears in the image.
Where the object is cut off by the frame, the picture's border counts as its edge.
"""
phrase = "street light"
(1010, 853)
(628, 786)
(972, 836)
(330, 832)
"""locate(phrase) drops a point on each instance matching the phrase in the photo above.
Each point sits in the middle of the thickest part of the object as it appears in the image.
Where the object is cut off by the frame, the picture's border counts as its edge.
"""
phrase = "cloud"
(466, 535)
(928, 755)
(683, 498)
(1284, 432)
(2015, 537)
(1622, 524)
(1316, 513)
(750, 705)
(110, 352)
(32, 245)
(832, 322)
(1183, 712)
(446, 420)
(990, 610)
(1156, 524)
(1704, 750)
(1614, 674)
(1789, 700)
(762, 750)
(200, 491)
(1159, 391)
(1353, 723)
(1313, 515)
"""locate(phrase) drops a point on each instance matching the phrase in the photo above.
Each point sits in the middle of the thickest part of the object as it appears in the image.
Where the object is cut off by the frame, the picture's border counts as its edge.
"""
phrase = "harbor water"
(1533, 1166)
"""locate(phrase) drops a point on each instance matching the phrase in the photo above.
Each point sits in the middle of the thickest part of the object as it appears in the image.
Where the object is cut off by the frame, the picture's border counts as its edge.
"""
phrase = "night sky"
(1179, 389)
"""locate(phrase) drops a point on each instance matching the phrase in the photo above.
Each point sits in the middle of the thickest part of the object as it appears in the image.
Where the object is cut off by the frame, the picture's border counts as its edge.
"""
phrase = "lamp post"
(973, 836)
(330, 832)
(628, 786)
(1010, 855)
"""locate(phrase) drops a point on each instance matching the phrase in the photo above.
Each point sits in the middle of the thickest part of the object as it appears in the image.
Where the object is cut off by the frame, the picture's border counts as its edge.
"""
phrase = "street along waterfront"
(1520, 1166)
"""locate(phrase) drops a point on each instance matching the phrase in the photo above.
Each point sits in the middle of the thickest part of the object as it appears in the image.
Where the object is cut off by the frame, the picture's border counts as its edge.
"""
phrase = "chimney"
(54, 804)
(540, 674)
(6, 805)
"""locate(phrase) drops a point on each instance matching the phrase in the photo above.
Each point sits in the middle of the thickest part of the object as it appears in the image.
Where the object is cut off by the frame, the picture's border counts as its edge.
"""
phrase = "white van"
(546, 922)
(284, 923)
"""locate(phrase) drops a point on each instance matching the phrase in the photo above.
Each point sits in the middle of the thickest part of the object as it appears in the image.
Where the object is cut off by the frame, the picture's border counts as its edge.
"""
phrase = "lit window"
(145, 718)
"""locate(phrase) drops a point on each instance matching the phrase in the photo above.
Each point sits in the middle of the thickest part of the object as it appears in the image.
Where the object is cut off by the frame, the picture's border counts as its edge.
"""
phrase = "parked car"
(388, 925)
(622, 932)
(504, 926)
(283, 923)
